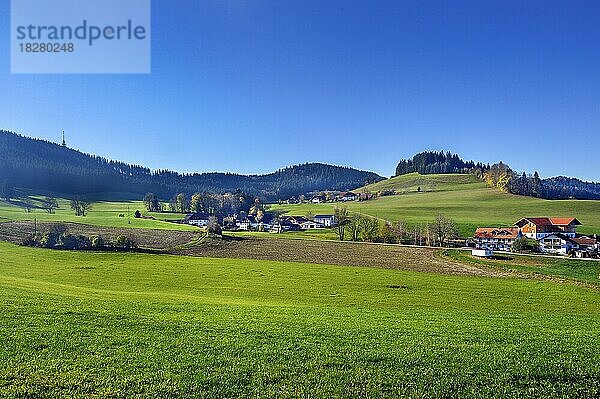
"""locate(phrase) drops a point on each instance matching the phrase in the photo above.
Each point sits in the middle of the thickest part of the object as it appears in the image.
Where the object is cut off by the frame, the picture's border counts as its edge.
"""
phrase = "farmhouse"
(295, 219)
(347, 196)
(538, 228)
(199, 219)
(246, 223)
(311, 225)
(587, 243)
(558, 243)
(251, 223)
(500, 238)
(319, 199)
(282, 226)
(326, 220)
(554, 235)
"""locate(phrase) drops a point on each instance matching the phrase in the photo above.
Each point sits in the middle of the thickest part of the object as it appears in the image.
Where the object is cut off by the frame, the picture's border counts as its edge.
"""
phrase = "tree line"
(436, 162)
(41, 165)
(205, 202)
(356, 227)
(500, 176)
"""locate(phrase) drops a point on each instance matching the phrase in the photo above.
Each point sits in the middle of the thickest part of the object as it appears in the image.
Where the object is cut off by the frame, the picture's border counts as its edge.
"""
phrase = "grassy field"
(461, 197)
(103, 213)
(137, 325)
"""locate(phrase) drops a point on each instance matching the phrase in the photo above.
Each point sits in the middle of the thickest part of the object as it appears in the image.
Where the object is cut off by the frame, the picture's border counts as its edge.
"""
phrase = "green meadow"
(463, 198)
(103, 213)
(586, 271)
(83, 325)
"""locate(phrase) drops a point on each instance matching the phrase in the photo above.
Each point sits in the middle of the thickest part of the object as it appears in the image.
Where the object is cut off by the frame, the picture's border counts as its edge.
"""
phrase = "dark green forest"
(35, 164)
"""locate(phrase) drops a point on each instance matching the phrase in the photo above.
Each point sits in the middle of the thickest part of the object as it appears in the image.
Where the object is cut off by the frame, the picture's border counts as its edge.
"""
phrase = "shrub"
(124, 242)
(68, 241)
(213, 226)
(30, 241)
(48, 240)
(52, 239)
(525, 244)
(83, 242)
(97, 242)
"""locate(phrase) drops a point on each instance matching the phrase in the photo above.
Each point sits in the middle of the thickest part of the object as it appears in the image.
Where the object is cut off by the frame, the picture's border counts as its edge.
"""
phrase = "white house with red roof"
(555, 235)
(538, 228)
(499, 238)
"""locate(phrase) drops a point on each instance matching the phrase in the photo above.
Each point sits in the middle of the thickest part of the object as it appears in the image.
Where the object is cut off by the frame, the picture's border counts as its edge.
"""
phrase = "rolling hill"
(464, 198)
(40, 165)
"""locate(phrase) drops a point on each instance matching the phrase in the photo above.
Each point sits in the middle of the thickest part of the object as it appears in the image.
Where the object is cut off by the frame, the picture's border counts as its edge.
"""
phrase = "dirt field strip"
(345, 253)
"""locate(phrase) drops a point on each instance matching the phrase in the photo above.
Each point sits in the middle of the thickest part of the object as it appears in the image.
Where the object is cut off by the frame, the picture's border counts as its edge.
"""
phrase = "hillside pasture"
(461, 198)
(136, 325)
(118, 214)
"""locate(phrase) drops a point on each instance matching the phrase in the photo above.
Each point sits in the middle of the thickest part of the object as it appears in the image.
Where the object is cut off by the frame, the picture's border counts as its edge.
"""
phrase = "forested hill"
(501, 176)
(41, 165)
(431, 162)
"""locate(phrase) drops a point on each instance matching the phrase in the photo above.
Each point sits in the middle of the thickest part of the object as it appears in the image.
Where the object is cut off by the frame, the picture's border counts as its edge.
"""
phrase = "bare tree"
(341, 216)
(152, 203)
(400, 230)
(80, 205)
(442, 230)
(51, 204)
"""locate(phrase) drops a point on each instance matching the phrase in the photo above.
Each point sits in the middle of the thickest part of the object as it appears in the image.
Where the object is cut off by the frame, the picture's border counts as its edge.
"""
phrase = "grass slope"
(587, 271)
(103, 213)
(461, 197)
(132, 325)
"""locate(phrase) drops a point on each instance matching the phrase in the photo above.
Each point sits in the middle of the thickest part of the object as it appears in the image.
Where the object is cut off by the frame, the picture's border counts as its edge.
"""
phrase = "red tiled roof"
(585, 241)
(550, 221)
(564, 221)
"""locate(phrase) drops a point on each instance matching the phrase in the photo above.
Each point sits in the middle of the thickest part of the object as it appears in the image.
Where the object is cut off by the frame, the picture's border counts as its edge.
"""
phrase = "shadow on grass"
(503, 257)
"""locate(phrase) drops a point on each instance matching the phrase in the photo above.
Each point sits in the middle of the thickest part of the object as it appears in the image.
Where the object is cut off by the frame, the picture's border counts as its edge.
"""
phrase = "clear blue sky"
(251, 86)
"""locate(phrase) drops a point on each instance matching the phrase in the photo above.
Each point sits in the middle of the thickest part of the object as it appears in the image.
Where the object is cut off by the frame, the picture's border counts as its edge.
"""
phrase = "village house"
(319, 199)
(246, 223)
(347, 196)
(326, 220)
(538, 228)
(284, 225)
(554, 235)
(311, 225)
(199, 219)
(500, 238)
(558, 243)
(589, 243)
(295, 219)
(250, 223)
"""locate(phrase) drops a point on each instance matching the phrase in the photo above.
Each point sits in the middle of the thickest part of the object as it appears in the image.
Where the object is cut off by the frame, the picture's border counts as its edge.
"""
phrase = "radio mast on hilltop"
(64, 142)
